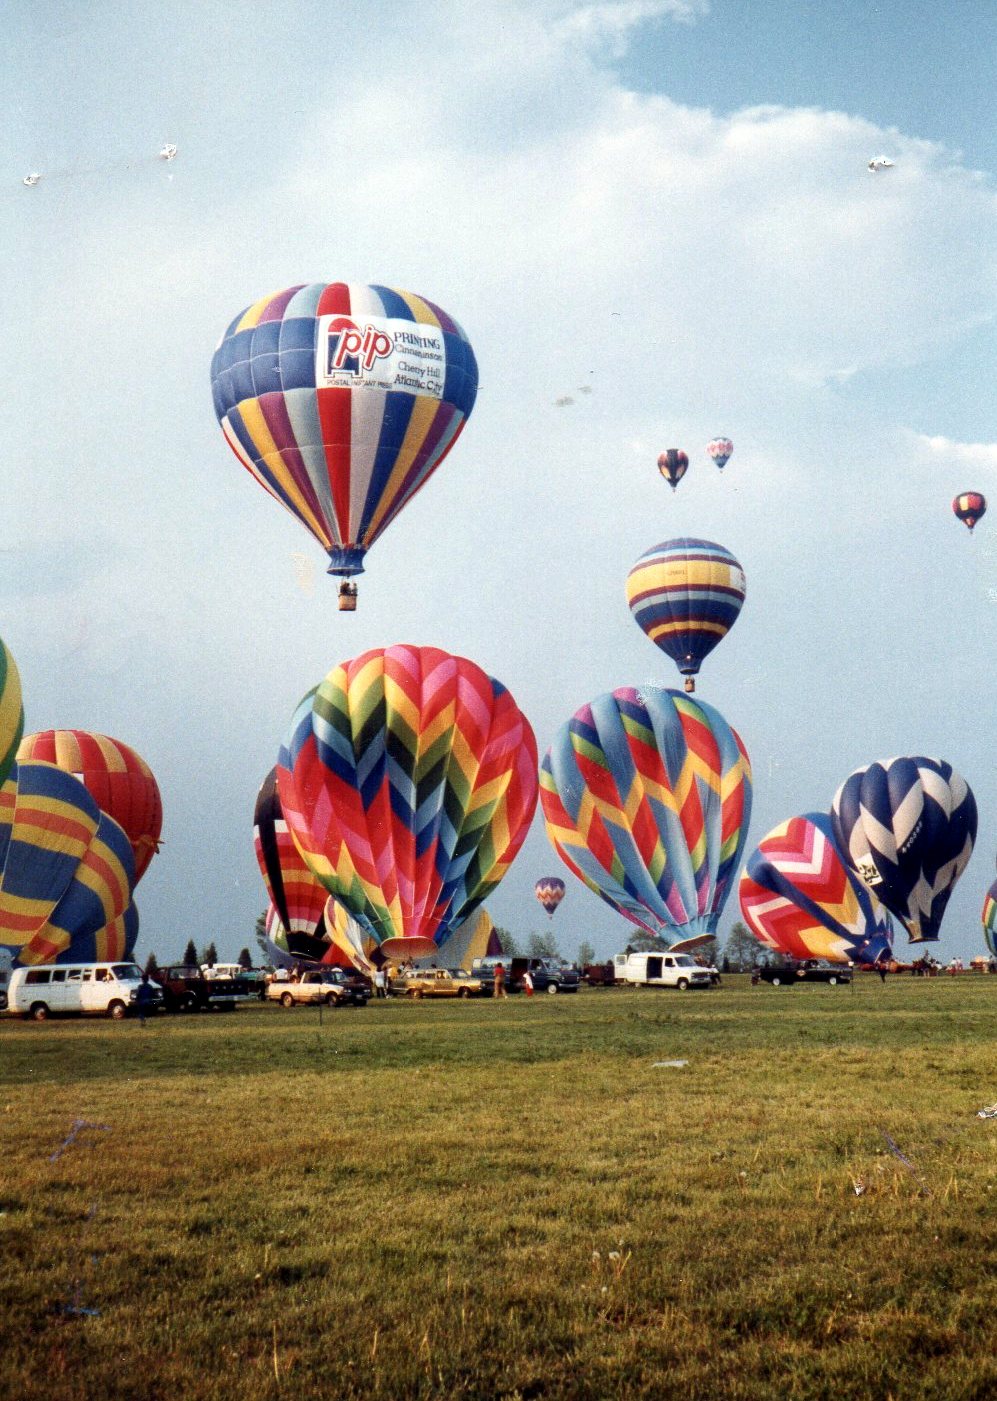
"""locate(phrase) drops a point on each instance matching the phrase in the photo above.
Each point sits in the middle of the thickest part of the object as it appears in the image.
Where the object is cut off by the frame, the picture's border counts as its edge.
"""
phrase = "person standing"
(499, 982)
(144, 998)
(379, 983)
(528, 983)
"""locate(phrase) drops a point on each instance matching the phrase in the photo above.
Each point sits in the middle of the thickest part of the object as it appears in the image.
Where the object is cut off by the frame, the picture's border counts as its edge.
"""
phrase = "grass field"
(508, 1199)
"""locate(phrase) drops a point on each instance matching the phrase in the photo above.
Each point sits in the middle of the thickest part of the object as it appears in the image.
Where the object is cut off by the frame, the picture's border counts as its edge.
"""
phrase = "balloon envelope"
(686, 594)
(720, 450)
(409, 781)
(969, 506)
(989, 917)
(11, 711)
(673, 464)
(298, 899)
(342, 400)
(800, 898)
(647, 797)
(66, 872)
(118, 779)
(907, 827)
(549, 890)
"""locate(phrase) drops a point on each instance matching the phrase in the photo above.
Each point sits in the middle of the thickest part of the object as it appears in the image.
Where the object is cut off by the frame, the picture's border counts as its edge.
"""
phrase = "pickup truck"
(334, 987)
(809, 971)
(186, 989)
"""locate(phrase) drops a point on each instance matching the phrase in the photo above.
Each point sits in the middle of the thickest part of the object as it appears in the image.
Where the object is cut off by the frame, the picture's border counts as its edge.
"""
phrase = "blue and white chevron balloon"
(907, 827)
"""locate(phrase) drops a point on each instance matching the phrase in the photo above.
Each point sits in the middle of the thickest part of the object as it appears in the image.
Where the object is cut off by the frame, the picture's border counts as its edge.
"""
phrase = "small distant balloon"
(969, 506)
(673, 464)
(720, 450)
(549, 890)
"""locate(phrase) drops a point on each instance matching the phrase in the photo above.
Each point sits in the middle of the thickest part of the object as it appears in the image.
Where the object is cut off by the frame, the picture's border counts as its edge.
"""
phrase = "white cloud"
(941, 449)
(614, 22)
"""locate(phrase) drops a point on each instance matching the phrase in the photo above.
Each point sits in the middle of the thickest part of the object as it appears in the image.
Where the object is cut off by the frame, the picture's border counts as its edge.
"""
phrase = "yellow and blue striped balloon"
(686, 595)
(11, 711)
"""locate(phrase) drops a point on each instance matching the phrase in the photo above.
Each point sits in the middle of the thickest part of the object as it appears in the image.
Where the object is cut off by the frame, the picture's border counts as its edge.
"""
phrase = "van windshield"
(684, 960)
(127, 972)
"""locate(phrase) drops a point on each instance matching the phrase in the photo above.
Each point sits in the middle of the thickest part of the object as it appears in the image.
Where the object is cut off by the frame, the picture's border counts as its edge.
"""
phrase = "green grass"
(508, 1199)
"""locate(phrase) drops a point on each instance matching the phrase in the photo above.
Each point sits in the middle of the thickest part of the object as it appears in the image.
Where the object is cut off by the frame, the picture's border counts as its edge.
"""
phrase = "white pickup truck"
(662, 970)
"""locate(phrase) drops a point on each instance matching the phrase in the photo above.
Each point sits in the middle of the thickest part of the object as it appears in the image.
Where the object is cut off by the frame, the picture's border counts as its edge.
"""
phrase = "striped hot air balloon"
(989, 917)
(800, 899)
(686, 595)
(647, 797)
(342, 400)
(409, 780)
(907, 827)
(66, 872)
(969, 507)
(299, 900)
(549, 890)
(11, 711)
(113, 774)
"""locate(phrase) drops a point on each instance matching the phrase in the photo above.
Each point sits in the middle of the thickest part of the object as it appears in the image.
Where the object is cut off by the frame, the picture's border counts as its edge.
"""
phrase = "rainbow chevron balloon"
(647, 797)
(66, 872)
(408, 781)
(990, 918)
(686, 595)
(11, 711)
(800, 898)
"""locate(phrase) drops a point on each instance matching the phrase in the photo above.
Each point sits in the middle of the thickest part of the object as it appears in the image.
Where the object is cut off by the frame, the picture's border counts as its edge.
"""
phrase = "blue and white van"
(101, 989)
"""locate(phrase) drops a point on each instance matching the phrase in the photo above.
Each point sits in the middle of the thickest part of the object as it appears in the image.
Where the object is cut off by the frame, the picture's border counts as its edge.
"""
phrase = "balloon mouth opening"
(346, 559)
(402, 949)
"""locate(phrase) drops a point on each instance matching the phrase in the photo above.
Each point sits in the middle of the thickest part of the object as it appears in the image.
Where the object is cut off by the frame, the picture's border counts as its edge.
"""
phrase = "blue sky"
(663, 200)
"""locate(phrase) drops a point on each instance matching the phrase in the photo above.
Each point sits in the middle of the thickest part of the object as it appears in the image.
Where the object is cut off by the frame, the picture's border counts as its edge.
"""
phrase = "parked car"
(674, 970)
(187, 989)
(443, 982)
(334, 987)
(549, 974)
(109, 989)
(599, 975)
(809, 971)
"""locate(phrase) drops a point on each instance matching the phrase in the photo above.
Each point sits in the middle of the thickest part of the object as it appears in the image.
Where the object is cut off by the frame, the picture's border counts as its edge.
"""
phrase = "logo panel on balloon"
(380, 353)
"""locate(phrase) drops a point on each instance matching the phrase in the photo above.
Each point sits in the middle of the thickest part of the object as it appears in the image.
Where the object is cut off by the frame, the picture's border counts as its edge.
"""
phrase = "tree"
(708, 953)
(210, 956)
(151, 965)
(742, 950)
(260, 932)
(543, 945)
(245, 960)
(508, 940)
(647, 943)
(190, 953)
(586, 954)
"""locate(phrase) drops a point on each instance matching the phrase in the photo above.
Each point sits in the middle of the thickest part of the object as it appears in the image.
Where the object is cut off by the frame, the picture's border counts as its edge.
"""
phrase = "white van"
(103, 988)
(663, 970)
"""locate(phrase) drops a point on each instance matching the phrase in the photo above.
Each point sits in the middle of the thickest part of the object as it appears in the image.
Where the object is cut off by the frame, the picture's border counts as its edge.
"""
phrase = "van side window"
(59, 976)
(87, 974)
(74, 975)
(38, 975)
(102, 975)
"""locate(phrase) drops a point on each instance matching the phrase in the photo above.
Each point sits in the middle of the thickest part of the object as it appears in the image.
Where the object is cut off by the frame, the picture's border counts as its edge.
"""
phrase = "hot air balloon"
(907, 827)
(720, 450)
(66, 872)
(299, 900)
(549, 890)
(686, 595)
(119, 780)
(990, 919)
(11, 711)
(969, 506)
(673, 464)
(646, 796)
(342, 400)
(408, 780)
(800, 898)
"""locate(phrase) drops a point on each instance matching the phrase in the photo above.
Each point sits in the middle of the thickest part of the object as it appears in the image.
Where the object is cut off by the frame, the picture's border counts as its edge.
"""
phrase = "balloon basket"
(690, 683)
(347, 598)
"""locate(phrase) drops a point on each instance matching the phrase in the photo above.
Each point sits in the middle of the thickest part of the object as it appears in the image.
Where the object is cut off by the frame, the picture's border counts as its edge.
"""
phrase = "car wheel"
(464, 992)
(417, 994)
(552, 988)
(832, 981)
(116, 1011)
(286, 999)
(776, 982)
(189, 1003)
(40, 1012)
(682, 984)
(331, 1000)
